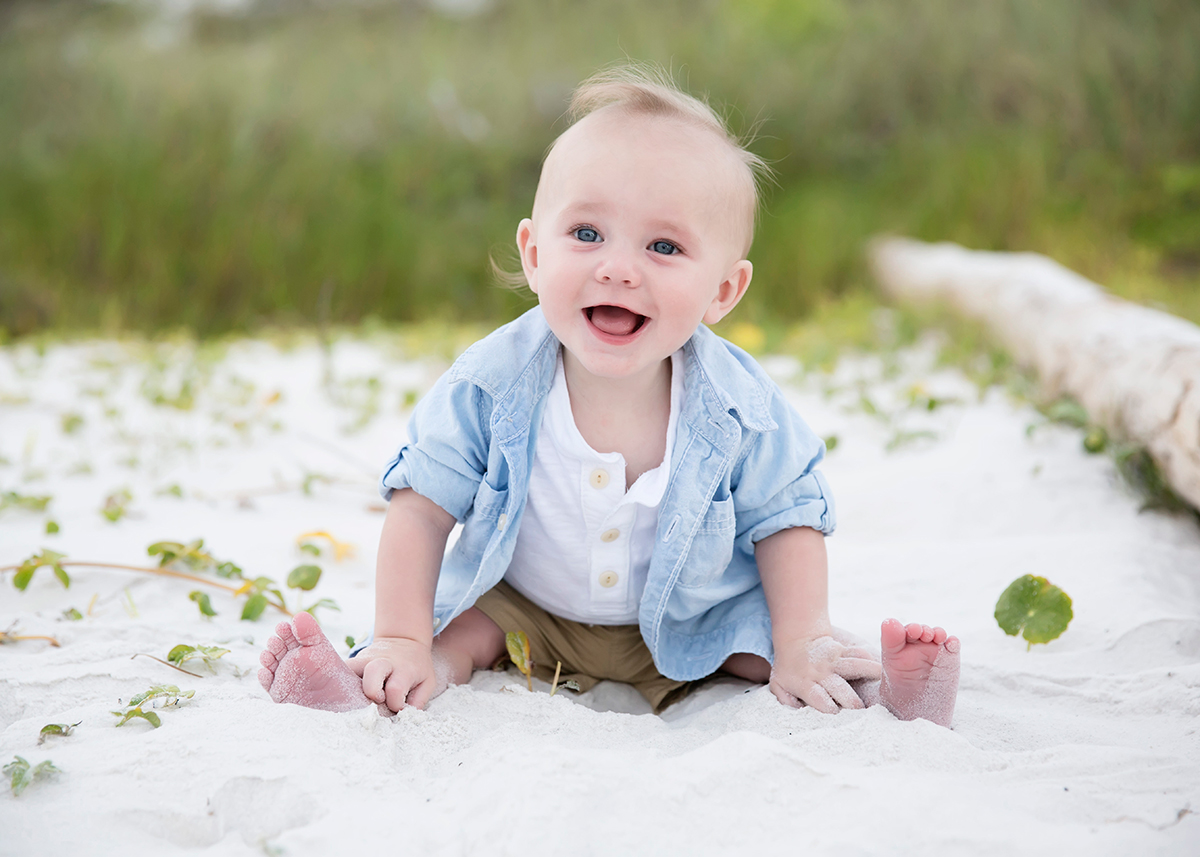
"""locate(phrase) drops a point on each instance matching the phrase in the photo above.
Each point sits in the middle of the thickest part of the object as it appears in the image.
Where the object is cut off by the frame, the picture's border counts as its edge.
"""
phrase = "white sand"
(1086, 745)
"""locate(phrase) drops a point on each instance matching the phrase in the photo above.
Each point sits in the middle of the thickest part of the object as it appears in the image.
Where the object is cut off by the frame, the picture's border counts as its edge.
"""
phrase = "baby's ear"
(730, 291)
(527, 247)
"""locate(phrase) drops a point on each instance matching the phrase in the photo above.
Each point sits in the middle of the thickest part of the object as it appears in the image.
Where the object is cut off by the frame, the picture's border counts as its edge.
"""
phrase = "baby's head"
(641, 223)
(635, 94)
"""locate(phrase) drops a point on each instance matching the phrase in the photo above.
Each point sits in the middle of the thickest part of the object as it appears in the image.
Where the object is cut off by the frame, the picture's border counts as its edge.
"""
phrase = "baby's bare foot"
(920, 672)
(300, 666)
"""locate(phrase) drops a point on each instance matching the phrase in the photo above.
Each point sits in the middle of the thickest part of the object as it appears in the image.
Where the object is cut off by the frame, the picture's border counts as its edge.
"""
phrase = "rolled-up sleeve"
(445, 456)
(777, 485)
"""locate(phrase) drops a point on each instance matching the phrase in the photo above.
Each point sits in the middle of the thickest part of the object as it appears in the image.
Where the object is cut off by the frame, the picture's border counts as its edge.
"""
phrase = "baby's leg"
(300, 665)
(920, 672)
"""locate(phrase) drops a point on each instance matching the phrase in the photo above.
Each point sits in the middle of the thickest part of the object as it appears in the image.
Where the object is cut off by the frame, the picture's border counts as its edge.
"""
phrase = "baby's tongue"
(614, 320)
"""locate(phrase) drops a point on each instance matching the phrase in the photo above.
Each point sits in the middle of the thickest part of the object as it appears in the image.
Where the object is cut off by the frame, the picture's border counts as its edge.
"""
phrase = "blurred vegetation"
(301, 163)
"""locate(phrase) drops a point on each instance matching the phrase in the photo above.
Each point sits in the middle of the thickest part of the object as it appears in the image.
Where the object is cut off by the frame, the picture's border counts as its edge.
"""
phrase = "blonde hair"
(648, 90)
(642, 89)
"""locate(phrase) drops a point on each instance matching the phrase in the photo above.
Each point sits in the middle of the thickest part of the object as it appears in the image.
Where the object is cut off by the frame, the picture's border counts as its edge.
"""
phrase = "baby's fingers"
(817, 697)
(842, 693)
(809, 693)
(375, 674)
(856, 668)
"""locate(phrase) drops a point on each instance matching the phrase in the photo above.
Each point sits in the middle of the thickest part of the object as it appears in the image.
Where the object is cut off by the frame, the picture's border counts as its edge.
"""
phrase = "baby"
(636, 494)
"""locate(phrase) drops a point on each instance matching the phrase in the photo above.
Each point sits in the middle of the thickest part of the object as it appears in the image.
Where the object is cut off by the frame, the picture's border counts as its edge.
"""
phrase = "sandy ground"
(1087, 745)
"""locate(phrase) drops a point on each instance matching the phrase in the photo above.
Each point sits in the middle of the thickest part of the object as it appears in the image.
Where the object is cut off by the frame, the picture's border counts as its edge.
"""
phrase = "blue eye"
(664, 247)
(588, 234)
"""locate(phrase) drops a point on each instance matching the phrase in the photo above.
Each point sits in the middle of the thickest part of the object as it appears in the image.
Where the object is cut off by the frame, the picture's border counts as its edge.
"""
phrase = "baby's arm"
(397, 668)
(810, 665)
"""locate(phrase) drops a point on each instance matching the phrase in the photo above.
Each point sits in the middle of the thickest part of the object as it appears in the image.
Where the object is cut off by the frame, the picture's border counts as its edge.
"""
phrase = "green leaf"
(166, 551)
(23, 501)
(327, 603)
(254, 607)
(21, 776)
(207, 654)
(831, 443)
(116, 505)
(304, 577)
(517, 644)
(1067, 411)
(1035, 608)
(23, 576)
(52, 528)
(63, 729)
(46, 558)
(349, 642)
(1096, 440)
(149, 716)
(180, 653)
(310, 548)
(228, 570)
(72, 614)
(203, 602)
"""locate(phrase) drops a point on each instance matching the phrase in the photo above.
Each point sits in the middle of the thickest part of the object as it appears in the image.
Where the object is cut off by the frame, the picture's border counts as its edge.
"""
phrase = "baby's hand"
(814, 671)
(396, 672)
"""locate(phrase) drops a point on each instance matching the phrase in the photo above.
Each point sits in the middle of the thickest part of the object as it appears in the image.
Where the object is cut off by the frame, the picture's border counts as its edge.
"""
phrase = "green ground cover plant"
(325, 164)
(259, 592)
(22, 775)
(158, 696)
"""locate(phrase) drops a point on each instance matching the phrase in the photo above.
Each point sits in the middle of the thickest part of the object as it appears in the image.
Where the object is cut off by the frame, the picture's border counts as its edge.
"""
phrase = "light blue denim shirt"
(743, 467)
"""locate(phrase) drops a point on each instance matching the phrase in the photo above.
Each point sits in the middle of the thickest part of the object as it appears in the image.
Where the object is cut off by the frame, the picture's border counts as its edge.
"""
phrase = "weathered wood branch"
(1135, 369)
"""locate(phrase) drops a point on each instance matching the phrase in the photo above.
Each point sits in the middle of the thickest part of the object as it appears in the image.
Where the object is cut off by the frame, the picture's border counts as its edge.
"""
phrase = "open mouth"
(615, 320)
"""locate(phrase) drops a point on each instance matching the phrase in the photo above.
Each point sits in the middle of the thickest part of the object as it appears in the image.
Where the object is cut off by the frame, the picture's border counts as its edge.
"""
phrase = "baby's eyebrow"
(583, 209)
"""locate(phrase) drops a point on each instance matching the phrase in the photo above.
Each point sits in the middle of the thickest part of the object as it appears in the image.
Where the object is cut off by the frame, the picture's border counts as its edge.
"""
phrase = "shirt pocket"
(486, 518)
(712, 547)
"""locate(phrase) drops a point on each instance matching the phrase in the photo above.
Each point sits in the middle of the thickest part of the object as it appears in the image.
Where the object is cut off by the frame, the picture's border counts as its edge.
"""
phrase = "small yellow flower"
(341, 550)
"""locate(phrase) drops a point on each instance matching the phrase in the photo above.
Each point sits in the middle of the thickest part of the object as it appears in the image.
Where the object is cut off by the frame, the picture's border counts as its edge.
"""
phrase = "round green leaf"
(255, 605)
(1035, 608)
(304, 577)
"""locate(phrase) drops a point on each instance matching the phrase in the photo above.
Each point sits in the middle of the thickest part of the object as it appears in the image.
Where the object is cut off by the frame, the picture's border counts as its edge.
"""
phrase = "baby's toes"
(953, 645)
(914, 632)
(267, 658)
(286, 636)
(266, 678)
(939, 635)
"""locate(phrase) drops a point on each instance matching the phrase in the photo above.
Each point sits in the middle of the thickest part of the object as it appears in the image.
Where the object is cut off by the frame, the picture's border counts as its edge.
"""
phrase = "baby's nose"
(617, 271)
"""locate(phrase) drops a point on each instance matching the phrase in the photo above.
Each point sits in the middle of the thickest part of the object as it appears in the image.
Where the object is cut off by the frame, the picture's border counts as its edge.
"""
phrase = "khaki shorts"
(589, 653)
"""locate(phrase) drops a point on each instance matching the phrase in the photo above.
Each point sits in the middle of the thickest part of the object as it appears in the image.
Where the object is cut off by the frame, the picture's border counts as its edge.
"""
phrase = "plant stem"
(162, 572)
(554, 684)
(4, 638)
(165, 664)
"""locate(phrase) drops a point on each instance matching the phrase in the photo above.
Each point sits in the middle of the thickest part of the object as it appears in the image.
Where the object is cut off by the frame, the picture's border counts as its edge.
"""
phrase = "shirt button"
(599, 478)
(501, 521)
(610, 535)
(608, 579)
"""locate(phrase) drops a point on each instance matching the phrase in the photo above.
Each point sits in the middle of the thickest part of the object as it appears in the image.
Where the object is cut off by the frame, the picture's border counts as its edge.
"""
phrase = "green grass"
(330, 166)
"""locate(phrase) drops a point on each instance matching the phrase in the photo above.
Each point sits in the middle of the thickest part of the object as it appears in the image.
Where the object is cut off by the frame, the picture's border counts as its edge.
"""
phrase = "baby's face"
(637, 236)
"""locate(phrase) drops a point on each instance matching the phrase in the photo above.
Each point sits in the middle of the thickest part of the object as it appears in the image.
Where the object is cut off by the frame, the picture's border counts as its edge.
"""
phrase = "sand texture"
(1090, 744)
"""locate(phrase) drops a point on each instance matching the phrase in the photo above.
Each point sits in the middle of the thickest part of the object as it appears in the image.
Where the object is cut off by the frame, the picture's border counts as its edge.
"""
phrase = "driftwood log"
(1136, 370)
